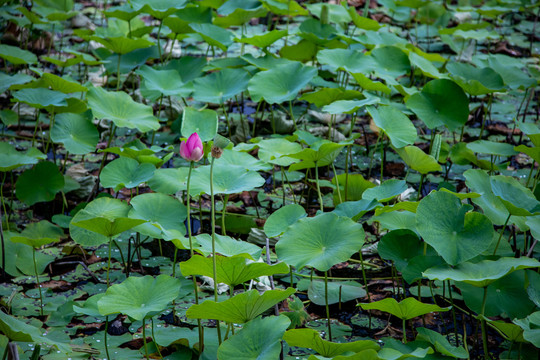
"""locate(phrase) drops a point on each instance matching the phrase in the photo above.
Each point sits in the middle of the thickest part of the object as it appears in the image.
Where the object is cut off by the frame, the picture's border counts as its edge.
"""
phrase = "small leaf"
(405, 310)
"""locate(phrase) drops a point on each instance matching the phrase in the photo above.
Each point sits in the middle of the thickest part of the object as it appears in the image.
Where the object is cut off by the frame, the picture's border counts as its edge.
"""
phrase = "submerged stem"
(326, 304)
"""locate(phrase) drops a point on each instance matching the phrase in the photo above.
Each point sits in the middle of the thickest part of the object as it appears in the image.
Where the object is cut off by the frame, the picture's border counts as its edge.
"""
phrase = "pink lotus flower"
(192, 149)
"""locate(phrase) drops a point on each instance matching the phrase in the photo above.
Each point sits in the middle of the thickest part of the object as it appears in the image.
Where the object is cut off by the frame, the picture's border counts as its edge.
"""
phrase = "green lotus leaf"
(321, 153)
(227, 180)
(101, 219)
(493, 207)
(309, 338)
(441, 102)
(41, 98)
(122, 44)
(492, 148)
(349, 106)
(17, 330)
(391, 62)
(120, 108)
(61, 84)
(281, 219)
(353, 185)
(39, 234)
(233, 270)
(214, 35)
(162, 212)
(169, 181)
(338, 291)
(441, 344)
(125, 172)
(396, 350)
(259, 339)
(475, 81)
(277, 151)
(353, 61)
(399, 129)
(531, 328)
(386, 191)
(517, 199)
(239, 12)
(227, 246)
(243, 160)
(506, 296)
(418, 160)
(405, 309)
(11, 159)
(16, 55)
(7, 81)
(157, 83)
(281, 83)
(400, 246)
(76, 132)
(51, 181)
(203, 122)
(139, 297)
(264, 40)
(482, 273)
(321, 241)
(355, 209)
(454, 232)
(241, 308)
(220, 86)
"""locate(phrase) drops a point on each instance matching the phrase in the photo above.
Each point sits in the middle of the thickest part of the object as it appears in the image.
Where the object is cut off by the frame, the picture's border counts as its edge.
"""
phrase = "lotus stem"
(213, 219)
(318, 187)
(109, 262)
(154, 339)
(105, 342)
(4, 203)
(483, 324)
(326, 305)
(144, 339)
(337, 183)
(225, 200)
(404, 330)
(501, 234)
(118, 72)
(37, 280)
(190, 237)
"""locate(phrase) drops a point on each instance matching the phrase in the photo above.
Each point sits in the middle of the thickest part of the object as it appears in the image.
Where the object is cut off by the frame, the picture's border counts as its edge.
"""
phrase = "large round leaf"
(281, 83)
(259, 339)
(120, 108)
(418, 160)
(405, 309)
(202, 122)
(101, 218)
(76, 132)
(139, 297)
(233, 270)
(163, 213)
(455, 233)
(16, 55)
(517, 199)
(158, 83)
(39, 184)
(475, 81)
(320, 241)
(241, 308)
(399, 129)
(39, 234)
(41, 97)
(482, 273)
(441, 102)
(506, 296)
(310, 338)
(11, 159)
(125, 172)
(281, 219)
(220, 86)
(227, 180)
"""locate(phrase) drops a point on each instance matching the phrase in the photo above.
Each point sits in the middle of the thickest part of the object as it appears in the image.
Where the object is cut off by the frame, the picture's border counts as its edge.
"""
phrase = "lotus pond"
(269, 179)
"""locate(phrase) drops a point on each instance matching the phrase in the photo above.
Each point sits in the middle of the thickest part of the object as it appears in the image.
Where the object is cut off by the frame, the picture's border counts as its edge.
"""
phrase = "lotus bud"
(192, 149)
